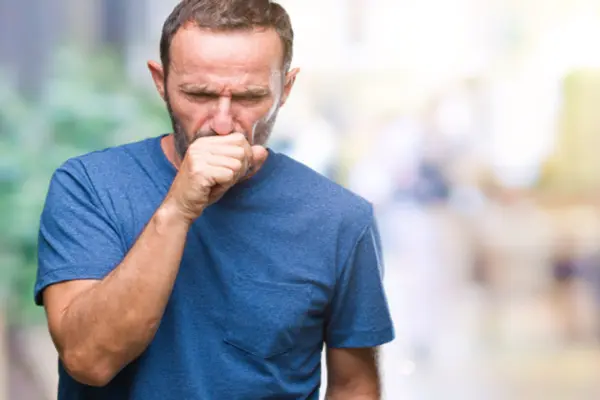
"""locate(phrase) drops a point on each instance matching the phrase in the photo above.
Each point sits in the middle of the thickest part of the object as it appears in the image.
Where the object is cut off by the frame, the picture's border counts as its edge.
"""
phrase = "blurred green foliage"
(88, 104)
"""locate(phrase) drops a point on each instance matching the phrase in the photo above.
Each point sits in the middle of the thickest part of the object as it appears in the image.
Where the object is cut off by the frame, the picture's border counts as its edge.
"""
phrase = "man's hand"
(212, 165)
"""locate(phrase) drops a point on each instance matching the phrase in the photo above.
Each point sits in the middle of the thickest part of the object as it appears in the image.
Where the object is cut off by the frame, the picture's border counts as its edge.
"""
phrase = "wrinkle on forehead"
(205, 79)
(255, 52)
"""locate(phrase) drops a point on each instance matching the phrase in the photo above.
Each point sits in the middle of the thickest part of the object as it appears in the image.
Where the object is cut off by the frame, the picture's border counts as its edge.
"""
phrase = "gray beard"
(261, 132)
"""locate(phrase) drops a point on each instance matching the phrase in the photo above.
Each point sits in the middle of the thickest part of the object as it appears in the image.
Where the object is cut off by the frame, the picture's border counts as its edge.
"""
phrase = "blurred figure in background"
(406, 187)
(565, 271)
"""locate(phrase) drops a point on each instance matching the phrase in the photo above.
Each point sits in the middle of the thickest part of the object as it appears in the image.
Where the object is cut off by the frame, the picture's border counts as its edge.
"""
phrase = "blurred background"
(472, 125)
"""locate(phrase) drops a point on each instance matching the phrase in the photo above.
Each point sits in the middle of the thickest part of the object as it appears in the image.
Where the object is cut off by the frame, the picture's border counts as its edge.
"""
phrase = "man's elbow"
(86, 370)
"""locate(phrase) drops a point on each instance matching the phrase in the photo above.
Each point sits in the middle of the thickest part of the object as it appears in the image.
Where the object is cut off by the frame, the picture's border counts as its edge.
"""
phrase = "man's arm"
(358, 322)
(352, 374)
(99, 327)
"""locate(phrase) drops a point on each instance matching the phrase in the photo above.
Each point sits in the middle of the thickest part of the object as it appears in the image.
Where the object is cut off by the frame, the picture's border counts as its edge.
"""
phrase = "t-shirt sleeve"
(77, 239)
(359, 315)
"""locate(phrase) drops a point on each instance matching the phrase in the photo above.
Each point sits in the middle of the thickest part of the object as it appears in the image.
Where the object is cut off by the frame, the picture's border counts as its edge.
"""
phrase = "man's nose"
(222, 119)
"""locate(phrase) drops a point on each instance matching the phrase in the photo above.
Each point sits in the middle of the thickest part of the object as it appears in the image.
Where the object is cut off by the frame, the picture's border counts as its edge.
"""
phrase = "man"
(201, 265)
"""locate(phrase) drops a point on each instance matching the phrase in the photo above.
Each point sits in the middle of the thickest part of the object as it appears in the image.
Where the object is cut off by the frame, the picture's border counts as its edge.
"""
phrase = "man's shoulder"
(322, 193)
(118, 153)
(109, 160)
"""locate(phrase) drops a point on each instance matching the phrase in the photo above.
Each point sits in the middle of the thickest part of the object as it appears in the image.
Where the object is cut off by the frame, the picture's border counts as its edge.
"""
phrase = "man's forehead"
(241, 54)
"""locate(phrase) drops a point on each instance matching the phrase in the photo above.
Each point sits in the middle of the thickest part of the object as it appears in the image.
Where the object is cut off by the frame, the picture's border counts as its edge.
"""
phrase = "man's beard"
(260, 134)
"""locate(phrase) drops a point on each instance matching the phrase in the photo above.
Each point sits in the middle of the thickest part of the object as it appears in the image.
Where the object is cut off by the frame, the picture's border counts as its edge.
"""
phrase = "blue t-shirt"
(282, 264)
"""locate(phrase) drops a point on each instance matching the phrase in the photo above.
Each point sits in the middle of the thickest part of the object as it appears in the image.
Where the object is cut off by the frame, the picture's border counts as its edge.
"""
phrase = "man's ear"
(158, 76)
(290, 79)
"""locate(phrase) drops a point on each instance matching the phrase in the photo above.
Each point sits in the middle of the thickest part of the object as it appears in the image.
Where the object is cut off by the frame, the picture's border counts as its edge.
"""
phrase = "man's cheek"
(192, 121)
(262, 129)
(273, 109)
(255, 127)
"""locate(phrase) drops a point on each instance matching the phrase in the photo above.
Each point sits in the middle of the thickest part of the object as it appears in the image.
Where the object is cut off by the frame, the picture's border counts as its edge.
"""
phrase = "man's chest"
(265, 295)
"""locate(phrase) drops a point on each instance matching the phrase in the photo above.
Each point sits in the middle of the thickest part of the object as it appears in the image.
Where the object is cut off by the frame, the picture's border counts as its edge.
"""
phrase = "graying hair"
(224, 15)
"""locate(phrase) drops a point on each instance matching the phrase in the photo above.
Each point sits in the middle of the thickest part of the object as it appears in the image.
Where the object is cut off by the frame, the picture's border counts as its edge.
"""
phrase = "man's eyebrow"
(197, 88)
(257, 91)
(253, 90)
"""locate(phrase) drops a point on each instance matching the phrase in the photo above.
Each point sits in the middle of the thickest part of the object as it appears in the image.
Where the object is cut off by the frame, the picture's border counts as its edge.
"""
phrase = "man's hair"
(228, 15)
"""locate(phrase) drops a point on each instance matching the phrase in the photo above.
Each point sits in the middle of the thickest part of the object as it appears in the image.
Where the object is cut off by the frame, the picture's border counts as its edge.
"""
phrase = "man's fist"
(210, 167)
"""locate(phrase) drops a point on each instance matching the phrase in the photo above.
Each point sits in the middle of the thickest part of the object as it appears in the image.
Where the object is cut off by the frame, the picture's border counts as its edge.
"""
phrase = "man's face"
(219, 83)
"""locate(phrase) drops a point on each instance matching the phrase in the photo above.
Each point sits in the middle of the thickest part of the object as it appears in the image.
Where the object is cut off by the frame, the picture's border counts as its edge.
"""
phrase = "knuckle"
(202, 180)
(240, 153)
(197, 171)
(239, 137)
(197, 145)
(194, 167)
(236, 164)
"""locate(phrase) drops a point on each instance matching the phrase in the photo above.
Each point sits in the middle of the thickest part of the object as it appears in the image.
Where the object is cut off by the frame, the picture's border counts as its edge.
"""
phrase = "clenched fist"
(210, 167)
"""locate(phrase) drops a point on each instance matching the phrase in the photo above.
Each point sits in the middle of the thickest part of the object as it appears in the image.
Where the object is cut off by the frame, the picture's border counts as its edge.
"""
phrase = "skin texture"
(223, 92)
(352, 374)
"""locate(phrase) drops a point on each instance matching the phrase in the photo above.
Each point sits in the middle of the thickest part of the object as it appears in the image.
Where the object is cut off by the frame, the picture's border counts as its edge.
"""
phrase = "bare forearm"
(353, 374)
(111, 324)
